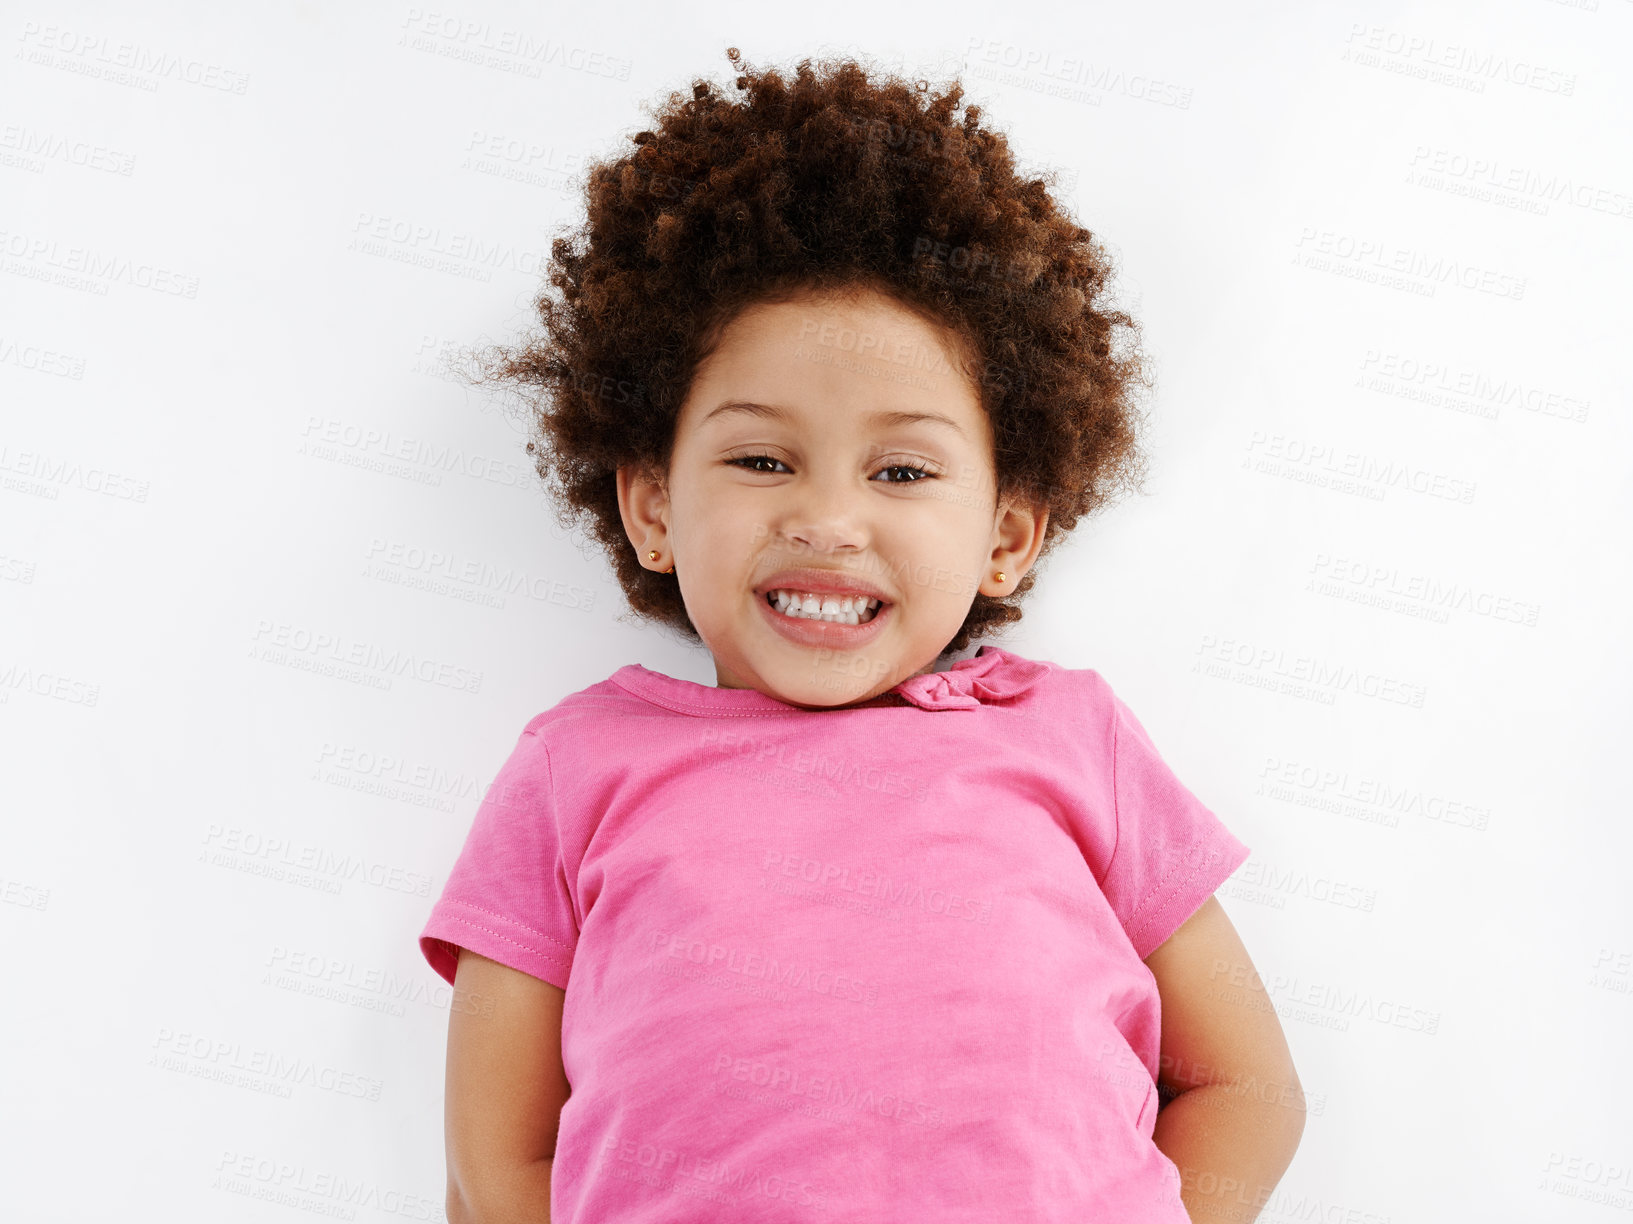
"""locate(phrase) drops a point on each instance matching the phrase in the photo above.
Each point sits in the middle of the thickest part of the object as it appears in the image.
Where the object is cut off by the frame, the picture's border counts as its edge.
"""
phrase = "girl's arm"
(505, 1089)
(1239, 1113)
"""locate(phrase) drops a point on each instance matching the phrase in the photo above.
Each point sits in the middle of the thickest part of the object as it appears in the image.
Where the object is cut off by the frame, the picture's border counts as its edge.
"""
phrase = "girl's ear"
(1019, 535)
(643, 502)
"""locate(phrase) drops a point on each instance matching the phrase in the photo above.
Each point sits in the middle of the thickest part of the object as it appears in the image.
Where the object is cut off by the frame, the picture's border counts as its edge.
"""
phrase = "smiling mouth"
(847, 610)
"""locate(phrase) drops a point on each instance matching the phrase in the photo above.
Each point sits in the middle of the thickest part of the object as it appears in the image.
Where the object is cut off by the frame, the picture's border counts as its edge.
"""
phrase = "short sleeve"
(508, 896)
(1172, 852)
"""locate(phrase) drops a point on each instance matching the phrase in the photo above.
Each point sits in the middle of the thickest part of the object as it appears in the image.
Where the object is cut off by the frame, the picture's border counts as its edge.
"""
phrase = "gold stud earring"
(1000, 575)
(652, 555)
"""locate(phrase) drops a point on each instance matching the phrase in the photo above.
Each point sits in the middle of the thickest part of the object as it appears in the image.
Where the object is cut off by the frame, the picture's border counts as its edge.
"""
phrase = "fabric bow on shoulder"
(991, 675)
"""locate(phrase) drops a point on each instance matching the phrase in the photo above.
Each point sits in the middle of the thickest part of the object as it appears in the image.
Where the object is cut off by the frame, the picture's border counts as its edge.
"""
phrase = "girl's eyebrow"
(879, 420)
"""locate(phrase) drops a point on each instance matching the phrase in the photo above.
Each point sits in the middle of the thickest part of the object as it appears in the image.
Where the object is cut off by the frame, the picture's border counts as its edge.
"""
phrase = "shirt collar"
(993, 674)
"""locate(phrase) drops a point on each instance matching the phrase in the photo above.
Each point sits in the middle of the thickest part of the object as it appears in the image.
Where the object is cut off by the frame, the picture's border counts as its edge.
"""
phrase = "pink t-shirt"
(843, 965)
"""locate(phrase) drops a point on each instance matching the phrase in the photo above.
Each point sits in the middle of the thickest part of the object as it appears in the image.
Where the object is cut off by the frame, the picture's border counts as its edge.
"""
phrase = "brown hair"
(823, 183)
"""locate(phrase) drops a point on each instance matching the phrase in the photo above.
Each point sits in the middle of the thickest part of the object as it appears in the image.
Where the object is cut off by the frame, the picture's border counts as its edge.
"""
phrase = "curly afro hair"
(827, 183)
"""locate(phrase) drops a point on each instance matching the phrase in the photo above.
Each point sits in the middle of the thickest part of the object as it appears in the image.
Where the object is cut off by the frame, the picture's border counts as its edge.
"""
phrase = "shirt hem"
(1193, 882)
(492, 937)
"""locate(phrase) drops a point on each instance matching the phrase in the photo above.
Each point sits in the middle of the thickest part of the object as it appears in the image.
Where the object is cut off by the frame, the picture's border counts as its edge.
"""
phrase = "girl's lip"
(829, 634)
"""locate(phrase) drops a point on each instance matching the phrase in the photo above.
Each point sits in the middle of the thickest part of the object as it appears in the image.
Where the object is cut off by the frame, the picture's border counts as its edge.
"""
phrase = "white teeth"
(845, 610)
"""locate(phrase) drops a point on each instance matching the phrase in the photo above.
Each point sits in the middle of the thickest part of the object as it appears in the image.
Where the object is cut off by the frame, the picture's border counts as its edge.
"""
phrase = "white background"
(1368, 611)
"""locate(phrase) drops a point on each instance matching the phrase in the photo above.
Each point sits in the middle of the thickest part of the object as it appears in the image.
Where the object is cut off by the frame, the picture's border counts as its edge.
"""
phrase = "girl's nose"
(823, 515)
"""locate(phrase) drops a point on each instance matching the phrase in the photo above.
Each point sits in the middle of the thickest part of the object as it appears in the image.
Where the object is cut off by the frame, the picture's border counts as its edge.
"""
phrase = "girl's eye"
(753, 459)
(907, 467)
(894, 467)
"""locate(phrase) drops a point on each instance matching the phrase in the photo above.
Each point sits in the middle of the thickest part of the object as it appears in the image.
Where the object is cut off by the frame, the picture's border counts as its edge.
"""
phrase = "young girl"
(845, 936)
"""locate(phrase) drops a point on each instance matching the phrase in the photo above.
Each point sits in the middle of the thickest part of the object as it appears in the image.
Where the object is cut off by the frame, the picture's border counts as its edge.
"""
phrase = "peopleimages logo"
(865, 883)
(1381, 261)
(708, 1178)
(87, 269)
(1489, 180)
(330, 653)
(1441, 384)
(989, 57)
(1449, 63)
(829, 1089)
(757, 966)
(280, 858)
(323, 1192)
(68, 473)
(875, 777)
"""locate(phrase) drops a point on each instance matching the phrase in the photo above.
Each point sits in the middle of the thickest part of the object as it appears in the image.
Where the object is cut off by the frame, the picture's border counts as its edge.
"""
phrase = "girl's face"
(794, 449)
